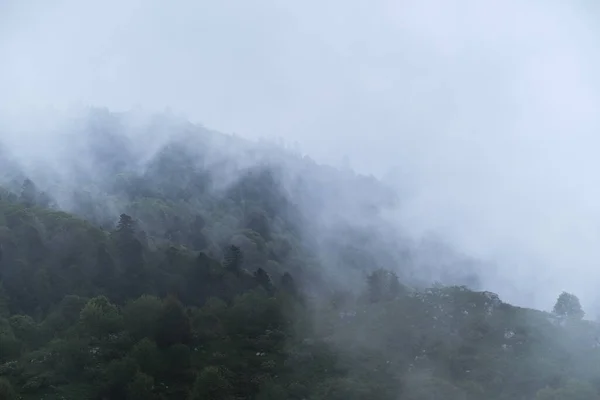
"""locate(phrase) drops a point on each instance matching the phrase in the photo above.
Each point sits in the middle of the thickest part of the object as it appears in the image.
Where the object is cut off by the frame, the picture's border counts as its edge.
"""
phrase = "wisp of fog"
(483, 115)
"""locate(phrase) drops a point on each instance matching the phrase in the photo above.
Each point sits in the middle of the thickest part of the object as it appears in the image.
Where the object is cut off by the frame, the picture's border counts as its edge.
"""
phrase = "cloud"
(484, 112)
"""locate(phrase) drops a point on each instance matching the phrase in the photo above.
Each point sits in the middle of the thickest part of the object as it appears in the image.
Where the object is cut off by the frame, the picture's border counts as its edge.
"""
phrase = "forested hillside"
(160, 260)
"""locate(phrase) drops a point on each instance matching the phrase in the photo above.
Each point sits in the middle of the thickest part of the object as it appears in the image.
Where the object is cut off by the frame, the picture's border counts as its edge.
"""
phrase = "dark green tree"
(197, 238)
(568, 305)
(142, 317)
(147, 356)
(258, 221)
(288, 284)
(131, 257)
(234, 258)
(141, 387)
(263, 279)
(212, 383)
(100, 317)
(7, 392)
(119, 374)
(105, 273)
(29, 193)
(126, 226)
(173, 324)
(377, 285)
(395, 288)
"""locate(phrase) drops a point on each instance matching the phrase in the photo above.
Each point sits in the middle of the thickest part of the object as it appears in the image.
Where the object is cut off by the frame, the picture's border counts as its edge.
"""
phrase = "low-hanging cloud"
(482, 113)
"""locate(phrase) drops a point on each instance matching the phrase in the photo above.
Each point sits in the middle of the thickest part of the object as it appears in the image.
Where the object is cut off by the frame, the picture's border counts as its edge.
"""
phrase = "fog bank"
(481, 114)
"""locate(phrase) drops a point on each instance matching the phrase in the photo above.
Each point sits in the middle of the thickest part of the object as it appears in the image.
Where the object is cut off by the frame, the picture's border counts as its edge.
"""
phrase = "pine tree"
(264, 280)
(126, 225)
(288, 284)
(376, 285)
(29, 193)
(131, 256)
(234, 259)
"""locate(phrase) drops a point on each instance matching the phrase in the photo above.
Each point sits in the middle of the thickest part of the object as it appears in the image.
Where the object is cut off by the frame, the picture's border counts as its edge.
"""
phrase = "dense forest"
(161, 260)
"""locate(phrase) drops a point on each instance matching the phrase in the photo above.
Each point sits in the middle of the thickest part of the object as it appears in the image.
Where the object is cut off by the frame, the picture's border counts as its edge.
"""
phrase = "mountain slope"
(196, 265)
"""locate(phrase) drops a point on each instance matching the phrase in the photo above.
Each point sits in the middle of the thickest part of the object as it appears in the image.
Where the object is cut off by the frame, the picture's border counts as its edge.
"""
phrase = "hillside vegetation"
(165, 261)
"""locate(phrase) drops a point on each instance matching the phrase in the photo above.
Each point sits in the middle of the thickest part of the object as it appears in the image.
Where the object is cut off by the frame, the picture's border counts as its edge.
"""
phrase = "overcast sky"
(486, 110)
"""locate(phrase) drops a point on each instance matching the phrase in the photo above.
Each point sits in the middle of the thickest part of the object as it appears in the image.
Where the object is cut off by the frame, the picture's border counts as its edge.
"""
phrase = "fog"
(481, 114)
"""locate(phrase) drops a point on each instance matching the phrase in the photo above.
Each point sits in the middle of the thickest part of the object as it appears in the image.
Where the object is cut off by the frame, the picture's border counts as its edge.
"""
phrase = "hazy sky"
(487, 110)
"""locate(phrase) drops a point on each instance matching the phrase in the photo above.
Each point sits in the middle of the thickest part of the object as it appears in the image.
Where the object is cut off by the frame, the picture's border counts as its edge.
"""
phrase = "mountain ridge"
(209, 267)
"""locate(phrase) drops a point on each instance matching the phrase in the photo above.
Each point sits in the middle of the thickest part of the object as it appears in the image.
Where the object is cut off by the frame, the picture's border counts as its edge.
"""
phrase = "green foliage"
(383, 285)
(173, 281)
(29, 193)
(25, 329)
(173, 324)
(4, 300)
(147, 356)
(7, 392)
(233, 258)
(341, 389)
(141, 387)
(10, 346)
(567, 305)
(212, 383)
(142, 316)
(101, 318)
(119, 375)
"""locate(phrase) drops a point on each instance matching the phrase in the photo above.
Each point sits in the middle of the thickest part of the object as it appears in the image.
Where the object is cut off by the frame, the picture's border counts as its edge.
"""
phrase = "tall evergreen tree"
(234, 258)
(29, 193)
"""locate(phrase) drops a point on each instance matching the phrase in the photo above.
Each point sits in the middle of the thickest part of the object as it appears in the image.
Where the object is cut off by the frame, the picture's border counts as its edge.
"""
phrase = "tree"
(100, 317)
(212, 383)
(341, 389)
(69, 309)
(377, 282)
(142, 316)
(25, 329)
(6, 390)
(288, 284)
(272, 391)
(4, 302)
(131, 256)
(264, 280)
(383, 285)
(10, 347)
(119, 375)
(173, 324)
(147, 355)
(126, 225)
(568, 305)
(141, 387)
(44, 200)
(395, 288)
(259, 222)
(29, 193)
(105, 271)
(233, 258)
(197, 238)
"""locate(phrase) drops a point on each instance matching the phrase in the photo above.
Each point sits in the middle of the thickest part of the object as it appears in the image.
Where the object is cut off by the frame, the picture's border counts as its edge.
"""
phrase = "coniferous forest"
(161, 260)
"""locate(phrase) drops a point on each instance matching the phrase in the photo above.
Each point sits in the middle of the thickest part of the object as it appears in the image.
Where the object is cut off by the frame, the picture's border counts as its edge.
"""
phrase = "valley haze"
(483, 116)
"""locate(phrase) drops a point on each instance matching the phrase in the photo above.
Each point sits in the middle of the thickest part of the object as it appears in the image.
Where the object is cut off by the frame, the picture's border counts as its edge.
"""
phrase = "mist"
(481, 114)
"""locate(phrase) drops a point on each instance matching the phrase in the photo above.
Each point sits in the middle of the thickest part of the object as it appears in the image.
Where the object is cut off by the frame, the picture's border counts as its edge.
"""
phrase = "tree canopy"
(206, 272)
